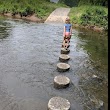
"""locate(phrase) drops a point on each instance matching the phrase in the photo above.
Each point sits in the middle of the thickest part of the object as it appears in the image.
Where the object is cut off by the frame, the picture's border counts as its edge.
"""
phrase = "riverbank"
(90, 17)
(33, 10)
(34, 18)
(90, 27)
(86, 16)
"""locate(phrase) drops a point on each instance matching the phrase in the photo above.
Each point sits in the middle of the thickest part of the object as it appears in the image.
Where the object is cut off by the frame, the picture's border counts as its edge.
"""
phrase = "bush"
(95, 16)
(42, 8)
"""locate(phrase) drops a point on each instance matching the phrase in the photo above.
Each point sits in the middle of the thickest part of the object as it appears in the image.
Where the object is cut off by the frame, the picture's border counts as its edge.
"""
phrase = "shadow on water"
(96, 46)
(28, 58)
(4, 29)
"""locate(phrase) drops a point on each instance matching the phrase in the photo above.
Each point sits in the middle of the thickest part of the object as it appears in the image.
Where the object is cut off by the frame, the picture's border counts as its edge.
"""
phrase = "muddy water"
(29, 53)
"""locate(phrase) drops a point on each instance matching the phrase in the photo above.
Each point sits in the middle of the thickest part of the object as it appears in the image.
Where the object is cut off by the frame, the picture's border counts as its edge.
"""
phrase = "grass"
(90, 15)
(82, 15)
(42, 8)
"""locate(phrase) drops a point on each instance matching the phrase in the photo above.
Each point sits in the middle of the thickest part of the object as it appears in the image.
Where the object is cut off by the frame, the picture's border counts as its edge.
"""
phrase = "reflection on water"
(4, 28)
(29, 53)
(96, 46)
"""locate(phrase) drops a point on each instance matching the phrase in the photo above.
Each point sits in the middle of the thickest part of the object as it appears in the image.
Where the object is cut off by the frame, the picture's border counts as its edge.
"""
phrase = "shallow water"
(29, 53)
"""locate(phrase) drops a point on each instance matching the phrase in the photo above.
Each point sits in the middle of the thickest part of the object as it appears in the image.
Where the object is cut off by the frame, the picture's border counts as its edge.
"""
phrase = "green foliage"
(42, 8)
(70, 3)
(97, 17)
(90, 15)
(73, 3)
(97, 47)
(94, 2)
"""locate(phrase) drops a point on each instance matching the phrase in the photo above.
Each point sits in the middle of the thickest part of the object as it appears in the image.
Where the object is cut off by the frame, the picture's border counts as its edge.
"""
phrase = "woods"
(72, 3)
(94, 2)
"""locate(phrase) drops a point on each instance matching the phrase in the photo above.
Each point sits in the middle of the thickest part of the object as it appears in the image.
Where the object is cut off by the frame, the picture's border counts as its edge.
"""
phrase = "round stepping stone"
(64, 51)
(58, 103)
(64, 57)
(62, 67)
(61, 81)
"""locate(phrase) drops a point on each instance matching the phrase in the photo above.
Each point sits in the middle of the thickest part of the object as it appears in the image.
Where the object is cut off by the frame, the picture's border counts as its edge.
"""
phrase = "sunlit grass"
(89, 15)
(42, 8)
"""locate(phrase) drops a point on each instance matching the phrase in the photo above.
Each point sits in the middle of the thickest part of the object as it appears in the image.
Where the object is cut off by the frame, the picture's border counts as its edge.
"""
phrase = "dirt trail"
(58, 15)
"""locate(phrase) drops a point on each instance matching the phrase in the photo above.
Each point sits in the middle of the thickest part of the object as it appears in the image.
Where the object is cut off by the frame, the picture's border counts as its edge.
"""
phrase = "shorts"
(67, 34)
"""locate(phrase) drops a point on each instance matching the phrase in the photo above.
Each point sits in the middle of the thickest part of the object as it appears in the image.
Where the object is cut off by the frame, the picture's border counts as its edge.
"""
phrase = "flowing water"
(29, 53)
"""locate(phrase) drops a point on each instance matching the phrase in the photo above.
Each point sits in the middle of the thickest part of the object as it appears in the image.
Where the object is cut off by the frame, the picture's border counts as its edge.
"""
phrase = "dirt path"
(58, 15)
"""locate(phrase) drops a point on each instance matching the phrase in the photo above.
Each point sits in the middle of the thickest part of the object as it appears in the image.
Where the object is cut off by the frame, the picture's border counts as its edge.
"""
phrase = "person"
(65, 44)
(67, 32)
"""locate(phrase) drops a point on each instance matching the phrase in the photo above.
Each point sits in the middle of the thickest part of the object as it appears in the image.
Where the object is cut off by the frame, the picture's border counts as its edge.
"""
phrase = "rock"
(64, 57)
(61, 81)
(98, 29)
(64, 51)
(97, 78)
(98, 103)
(62, 67)
(58, 103)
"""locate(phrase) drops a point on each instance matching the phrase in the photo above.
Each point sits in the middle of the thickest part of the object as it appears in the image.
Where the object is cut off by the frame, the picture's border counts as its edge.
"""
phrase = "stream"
(29, 53)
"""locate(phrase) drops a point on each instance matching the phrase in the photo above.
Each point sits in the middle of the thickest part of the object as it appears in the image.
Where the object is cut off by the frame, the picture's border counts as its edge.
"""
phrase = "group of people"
(67, 33)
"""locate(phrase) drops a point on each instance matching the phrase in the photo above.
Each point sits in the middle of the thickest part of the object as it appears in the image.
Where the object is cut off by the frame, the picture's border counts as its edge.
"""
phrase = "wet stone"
(99, 104)
(64, 51)
(95, 77)
(64, 57)
(58, 103)
(61, 81)
(62, 67)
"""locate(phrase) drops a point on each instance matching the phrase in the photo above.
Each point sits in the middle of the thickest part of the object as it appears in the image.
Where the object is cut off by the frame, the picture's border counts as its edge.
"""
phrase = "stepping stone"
(64, 51)
(58, 103)
(64, 57)
(95, 77)
(62, 67)
(61, 81)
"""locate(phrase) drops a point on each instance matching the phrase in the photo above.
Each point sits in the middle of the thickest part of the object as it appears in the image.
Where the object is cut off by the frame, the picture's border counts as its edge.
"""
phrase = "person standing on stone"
(67, 31)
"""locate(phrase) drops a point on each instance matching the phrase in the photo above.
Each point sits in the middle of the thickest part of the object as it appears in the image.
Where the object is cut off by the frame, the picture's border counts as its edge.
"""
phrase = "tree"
(70, 3)
(94, 2)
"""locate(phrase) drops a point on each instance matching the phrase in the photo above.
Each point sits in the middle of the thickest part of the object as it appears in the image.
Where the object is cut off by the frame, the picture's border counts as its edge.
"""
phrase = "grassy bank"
(85, 15)
(42, 8)
(90, 16)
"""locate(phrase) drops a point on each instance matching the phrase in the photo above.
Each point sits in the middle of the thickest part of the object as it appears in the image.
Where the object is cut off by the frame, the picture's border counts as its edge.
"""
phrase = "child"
(65, 43)
(67, 32)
